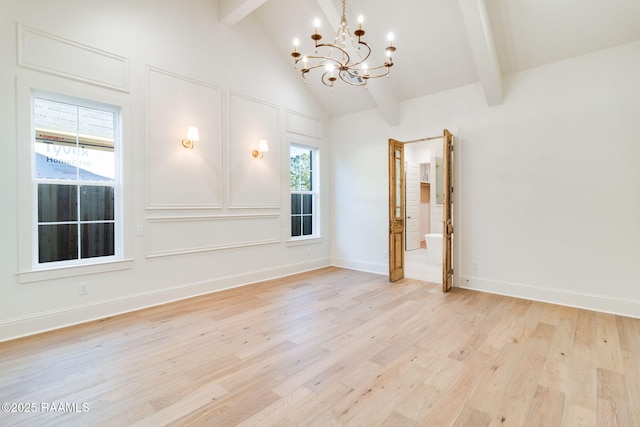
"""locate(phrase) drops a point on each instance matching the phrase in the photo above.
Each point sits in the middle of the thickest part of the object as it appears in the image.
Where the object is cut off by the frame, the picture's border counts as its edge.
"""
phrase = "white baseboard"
(353, 264)
(56, 319)
(605, 304)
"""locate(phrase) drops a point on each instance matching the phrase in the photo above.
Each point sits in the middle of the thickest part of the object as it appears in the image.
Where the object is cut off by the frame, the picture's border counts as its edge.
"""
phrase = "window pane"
(55, 115)
(300, 169)
(307, 228)
(57, 203)
(303, 201)
(56, 129)
(96, 123)
(296, 226)
(96, 203)
(73, 142)
(57, 242)
(307, 204)
(296, 204)
(96, 140)
(97, 240)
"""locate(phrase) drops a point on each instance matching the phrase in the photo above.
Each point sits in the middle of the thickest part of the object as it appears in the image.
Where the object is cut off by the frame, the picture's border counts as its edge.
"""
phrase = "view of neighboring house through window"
(304, 198)
(76, 180)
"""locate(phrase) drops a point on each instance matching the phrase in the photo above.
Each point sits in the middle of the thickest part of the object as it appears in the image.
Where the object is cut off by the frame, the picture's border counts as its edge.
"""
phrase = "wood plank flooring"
(332, 347)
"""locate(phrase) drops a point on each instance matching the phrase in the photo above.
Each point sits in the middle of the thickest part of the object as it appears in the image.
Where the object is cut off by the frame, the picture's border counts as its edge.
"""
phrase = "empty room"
(320, 213)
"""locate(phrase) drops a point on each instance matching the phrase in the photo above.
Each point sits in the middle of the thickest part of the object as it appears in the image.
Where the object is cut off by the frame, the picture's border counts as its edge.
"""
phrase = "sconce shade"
(263, 147)
(192, 133)
(192, 136)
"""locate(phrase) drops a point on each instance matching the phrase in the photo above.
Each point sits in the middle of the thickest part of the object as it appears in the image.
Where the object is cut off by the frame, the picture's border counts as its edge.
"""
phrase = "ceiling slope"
(443, 44)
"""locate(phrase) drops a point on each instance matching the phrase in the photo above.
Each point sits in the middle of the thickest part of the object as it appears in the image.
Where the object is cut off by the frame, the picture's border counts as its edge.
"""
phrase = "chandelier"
(345, 57)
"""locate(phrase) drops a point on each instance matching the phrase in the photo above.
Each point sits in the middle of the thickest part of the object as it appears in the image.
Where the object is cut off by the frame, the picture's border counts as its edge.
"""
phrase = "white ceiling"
(444, 44)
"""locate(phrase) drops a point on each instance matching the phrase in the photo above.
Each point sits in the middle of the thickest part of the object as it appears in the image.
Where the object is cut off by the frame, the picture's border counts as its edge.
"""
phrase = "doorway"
(420, 224)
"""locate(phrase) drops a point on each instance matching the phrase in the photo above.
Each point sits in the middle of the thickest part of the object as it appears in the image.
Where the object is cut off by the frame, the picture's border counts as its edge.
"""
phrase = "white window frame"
(315, 192)
(116, 184)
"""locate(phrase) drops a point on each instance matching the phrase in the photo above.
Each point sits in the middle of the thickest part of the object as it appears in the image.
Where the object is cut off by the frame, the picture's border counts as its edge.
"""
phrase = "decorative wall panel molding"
(177, 177)
(63, 57)
(183, 235)
(303, 124)
(253, 183)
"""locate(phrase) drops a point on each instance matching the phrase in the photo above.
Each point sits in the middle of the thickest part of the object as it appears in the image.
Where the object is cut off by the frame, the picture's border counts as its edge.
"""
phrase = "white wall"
(213, 217)
(547, 198)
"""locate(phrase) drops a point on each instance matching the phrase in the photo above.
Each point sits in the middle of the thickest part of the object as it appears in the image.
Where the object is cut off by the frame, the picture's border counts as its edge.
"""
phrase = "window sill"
(79, 270)
(305, 241)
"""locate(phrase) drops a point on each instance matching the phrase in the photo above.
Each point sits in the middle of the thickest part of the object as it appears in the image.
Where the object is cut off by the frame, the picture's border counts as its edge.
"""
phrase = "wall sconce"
(192, 136)
(262, 148)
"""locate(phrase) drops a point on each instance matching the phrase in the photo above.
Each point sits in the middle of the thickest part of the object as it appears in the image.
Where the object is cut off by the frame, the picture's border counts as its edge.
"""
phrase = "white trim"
(72, 271)
(354, 264)
(55, 319)
(115, 183)
(230, 204)
(305, 241)
(218, 155)
(314, 124)
(182, 219)
(315, 192)
(601, 303)
(91, 95)
(70, 45)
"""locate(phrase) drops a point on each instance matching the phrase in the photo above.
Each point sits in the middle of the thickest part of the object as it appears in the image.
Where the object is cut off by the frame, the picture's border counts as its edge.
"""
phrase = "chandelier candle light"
(335, 58)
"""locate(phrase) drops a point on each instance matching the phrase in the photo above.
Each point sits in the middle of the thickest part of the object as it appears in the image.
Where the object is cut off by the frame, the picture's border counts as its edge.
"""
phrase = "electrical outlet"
(385, 255)
(474, 265)
(82, 288)
(139, 230)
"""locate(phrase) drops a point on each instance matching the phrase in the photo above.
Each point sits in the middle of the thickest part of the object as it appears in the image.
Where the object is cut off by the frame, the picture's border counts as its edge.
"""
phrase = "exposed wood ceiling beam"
(230, 12)
(380, 90)
(476, 21)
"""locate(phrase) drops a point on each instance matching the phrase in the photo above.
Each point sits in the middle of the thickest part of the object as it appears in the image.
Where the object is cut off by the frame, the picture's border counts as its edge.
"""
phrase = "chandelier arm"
(327, 58)
(386, 65)
(370, 76)
(334, 46)
(313, 67)
(362, 60)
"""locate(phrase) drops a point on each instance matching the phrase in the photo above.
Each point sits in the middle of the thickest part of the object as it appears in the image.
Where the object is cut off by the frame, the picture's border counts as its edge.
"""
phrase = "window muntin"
(75, 180)
(303, 171)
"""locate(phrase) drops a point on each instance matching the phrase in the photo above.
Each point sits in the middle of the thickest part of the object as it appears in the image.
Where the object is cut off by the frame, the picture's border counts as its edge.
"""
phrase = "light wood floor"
(333, 348)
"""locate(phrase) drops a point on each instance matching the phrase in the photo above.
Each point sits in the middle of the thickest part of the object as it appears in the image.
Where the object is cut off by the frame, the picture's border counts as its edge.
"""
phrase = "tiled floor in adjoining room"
(417, 267)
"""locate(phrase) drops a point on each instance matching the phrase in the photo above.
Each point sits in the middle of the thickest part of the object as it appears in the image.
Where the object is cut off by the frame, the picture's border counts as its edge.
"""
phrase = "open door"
(447, 267)
(396, 210)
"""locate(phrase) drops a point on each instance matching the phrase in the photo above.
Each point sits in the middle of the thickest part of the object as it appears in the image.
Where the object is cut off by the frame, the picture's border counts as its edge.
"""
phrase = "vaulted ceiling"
(443, 44)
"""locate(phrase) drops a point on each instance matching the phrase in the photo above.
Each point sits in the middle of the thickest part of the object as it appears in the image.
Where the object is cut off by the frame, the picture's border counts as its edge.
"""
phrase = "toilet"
(434, 248)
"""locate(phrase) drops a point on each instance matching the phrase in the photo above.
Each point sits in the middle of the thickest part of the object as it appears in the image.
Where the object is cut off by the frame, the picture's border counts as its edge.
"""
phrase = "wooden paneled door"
(447, 207)
(397, 218)
(396, 210)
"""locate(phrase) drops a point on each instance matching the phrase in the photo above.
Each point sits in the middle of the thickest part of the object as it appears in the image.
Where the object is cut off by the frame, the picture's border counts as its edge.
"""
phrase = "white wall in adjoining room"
(546, 195)
(213, 217)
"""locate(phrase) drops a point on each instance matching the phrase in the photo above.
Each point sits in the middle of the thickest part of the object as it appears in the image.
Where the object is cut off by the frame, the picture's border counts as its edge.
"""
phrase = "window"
(304, 199)
(76, 183)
